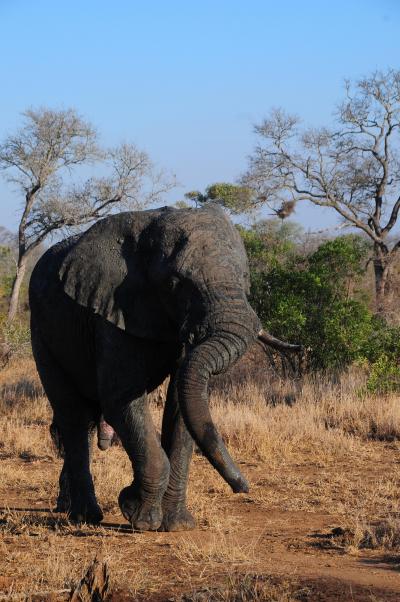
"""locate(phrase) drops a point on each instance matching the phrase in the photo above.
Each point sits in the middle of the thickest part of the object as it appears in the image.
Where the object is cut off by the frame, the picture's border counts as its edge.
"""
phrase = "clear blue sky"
(185, 80)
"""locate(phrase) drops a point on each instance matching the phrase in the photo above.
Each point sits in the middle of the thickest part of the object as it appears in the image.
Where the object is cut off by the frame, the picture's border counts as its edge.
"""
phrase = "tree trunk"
(383, 292)
(16, 287)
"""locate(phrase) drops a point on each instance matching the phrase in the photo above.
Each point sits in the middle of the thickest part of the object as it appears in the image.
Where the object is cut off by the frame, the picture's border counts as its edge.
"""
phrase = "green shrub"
(384, 375)
(316, 300)
(15, 339)
(300, 306)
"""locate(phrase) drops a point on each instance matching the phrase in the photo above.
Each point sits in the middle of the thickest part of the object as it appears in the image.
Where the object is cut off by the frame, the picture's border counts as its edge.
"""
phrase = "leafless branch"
(40, 158)
(353, 169)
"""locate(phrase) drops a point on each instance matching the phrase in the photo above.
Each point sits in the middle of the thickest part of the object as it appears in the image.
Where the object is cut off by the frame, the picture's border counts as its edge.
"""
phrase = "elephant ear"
(102, 271)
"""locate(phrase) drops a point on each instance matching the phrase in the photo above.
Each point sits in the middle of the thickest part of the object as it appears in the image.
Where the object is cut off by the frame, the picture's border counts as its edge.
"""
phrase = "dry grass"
(23, 412)
(221, 547)
(37, 554)
(383, 535)
(362, 534)
(326, 427)
(328, 419)
(249, 588)
(322, 453)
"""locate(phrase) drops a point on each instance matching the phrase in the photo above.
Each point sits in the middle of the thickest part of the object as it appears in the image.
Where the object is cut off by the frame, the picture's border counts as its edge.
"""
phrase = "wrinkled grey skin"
(139, 296)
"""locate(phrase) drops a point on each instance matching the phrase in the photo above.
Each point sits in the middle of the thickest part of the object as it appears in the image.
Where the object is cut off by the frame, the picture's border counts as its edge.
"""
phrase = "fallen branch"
(94, 586)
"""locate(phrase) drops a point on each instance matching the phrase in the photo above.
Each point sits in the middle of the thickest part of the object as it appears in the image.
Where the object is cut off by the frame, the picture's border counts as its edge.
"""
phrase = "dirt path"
(289, 546)
(321, 522)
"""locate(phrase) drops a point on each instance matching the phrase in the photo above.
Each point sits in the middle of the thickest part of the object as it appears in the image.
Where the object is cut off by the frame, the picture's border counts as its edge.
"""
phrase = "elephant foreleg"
(178, 446)
(140, 503)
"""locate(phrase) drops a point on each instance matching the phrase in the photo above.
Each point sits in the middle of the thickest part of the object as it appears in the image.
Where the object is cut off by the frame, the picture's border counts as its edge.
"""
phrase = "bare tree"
(353, 168)
(37, 160)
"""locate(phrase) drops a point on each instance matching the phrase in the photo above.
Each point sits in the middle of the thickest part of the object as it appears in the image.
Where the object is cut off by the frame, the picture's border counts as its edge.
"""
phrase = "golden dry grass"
(322, 454)
(249, 588)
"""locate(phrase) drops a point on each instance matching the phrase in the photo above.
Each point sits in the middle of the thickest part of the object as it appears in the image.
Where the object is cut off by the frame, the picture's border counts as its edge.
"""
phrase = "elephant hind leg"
(63, 503)
(73, 420)
(75, 478)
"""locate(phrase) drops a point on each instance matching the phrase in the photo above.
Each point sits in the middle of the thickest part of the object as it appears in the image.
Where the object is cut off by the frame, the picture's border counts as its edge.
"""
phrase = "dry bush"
(24, 413)
(383, 534)
(23, 369)
(249, 588)
(21, 393)
(15, 341)
(268, 371)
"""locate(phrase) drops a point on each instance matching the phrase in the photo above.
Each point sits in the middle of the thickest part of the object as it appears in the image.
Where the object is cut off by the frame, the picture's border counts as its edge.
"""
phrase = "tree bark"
(16, 288)
(382, 271)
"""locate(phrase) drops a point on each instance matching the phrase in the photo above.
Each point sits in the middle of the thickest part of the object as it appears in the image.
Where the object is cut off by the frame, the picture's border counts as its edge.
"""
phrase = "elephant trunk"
(226, 345)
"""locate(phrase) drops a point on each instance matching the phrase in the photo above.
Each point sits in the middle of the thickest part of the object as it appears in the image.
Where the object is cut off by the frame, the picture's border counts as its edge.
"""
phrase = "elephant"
(139, 296)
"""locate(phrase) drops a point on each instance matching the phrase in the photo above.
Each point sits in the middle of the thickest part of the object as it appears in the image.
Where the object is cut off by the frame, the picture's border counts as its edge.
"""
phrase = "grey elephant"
(139, 296)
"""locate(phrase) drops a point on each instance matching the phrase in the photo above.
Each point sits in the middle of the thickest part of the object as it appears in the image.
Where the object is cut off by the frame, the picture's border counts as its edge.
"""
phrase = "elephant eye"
(172, 283)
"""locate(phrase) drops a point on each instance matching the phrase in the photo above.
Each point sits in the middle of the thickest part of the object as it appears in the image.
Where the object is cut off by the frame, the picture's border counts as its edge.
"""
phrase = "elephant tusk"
(267, 339)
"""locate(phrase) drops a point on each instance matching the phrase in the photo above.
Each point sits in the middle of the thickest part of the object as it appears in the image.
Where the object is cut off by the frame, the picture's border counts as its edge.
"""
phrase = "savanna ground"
(321, 521)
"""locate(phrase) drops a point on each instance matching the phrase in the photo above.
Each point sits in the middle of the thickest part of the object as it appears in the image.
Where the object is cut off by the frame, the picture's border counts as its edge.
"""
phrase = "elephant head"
(178, 276)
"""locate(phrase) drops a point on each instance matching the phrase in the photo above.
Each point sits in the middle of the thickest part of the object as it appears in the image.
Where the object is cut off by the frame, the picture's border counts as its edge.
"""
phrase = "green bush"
(384, 375)
(301, 306)
(316, 300)
(15, 339)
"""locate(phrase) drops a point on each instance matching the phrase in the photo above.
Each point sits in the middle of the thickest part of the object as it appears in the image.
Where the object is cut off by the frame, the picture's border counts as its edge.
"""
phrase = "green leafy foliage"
(315, 300)
(340, 259)
(270, 242)
(235, 198)
(304, 306)
(15, 339)
(384, 375)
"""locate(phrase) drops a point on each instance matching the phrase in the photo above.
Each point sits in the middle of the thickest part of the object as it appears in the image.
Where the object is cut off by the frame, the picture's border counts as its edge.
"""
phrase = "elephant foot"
(90, 514)
(61, 508)
(143, 516)
(177, 518)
